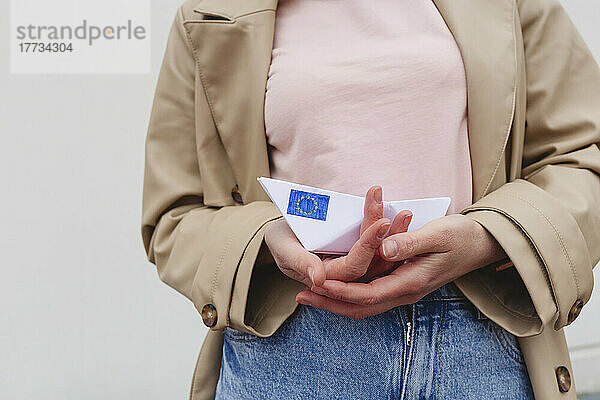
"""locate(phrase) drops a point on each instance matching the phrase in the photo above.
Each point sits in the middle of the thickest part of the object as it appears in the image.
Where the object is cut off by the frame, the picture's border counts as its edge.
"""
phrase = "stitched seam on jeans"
(442, 320)
(442, 299)
(239, 336)
(444, 313)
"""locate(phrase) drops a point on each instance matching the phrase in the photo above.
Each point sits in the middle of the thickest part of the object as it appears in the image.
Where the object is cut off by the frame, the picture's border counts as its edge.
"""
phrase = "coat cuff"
(231, 246)
(555, 267)
(263, 296)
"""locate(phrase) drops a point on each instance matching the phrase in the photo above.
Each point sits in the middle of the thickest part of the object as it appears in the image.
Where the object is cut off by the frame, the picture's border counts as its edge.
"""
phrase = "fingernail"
(301, 299)
(378, 195)
(406, 221)
(383, 230)
(390, 248)
(311, 274)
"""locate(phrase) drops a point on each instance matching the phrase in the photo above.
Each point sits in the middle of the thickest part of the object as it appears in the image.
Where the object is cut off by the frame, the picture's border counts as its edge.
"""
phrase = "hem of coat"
(208, 367)
(544, 353)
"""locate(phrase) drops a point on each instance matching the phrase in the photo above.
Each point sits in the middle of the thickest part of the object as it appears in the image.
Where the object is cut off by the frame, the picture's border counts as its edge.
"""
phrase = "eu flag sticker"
(308, 205)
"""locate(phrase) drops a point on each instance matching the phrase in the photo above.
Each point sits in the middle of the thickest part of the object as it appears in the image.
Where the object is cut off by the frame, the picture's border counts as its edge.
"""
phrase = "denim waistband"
(447, 292)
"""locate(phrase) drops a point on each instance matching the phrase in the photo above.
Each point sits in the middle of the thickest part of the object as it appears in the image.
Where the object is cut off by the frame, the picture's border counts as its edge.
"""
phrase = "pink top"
(364, 93)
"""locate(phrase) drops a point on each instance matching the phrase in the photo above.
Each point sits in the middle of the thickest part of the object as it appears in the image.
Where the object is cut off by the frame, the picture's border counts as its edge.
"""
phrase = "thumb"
(405, 245)
(315, 269)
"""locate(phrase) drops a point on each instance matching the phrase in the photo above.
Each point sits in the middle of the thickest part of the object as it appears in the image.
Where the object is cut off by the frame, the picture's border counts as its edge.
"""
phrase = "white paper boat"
(325, 221)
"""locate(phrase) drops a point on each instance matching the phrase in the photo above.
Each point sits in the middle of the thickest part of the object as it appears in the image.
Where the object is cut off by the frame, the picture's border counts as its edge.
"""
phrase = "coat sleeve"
(196, 248)
(548, 220)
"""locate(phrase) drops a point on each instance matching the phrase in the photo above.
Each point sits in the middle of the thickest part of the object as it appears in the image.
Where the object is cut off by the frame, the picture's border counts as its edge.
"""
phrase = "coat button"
(575, 310)
(209, 315)
(563, 377)
(235, 193)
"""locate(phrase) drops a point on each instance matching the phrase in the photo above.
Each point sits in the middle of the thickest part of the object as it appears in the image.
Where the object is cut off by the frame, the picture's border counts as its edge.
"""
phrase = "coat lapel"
(234, 69)
(234, 8)
(233, 61)
(484, 31)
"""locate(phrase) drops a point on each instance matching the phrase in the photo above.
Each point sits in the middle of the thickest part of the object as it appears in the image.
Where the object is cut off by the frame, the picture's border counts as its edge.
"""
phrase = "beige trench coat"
(534, 127)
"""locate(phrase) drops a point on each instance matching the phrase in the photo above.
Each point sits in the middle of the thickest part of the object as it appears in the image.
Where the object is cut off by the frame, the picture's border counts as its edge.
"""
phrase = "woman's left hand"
(437, 253)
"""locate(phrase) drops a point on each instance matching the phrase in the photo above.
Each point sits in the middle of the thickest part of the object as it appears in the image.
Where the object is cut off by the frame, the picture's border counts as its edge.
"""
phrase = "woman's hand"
(301, 265)
(291, 257)
(437, 253)
(373, 211)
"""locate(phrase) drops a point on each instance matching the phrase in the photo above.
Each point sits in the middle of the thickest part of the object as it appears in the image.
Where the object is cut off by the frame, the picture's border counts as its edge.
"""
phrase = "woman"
(495, 103)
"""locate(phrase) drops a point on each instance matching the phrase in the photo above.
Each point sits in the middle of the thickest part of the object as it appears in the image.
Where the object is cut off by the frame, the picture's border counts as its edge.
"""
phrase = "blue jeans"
(438, 348)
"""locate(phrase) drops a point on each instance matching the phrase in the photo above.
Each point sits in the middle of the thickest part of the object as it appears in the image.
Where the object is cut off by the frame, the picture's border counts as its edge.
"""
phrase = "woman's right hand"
(306, 267)
(291, 257)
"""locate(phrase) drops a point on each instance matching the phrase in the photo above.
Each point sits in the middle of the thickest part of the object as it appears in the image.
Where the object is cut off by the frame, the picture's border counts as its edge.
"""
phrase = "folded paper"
(329, 222)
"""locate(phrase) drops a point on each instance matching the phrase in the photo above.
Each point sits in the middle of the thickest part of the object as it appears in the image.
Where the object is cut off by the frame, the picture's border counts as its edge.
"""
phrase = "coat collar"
(235, 66)
(234, 8)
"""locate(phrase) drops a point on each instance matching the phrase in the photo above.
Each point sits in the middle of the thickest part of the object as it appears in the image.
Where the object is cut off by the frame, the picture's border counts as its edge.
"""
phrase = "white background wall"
(82, 314)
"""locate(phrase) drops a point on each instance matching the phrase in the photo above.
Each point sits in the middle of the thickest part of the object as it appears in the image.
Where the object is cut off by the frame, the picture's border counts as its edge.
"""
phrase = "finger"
(281, 236)
(357, 261)
(373, 208)
(405, 284)
(399, 225)
(315, 270)
(379, 269)
(407, 244)
(401, 222)
(303, 266)
(354, 311)
(367, 245)
(306, 265)
(291, 257)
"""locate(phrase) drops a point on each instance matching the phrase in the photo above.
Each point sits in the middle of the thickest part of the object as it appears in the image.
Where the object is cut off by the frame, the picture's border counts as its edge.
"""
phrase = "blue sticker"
(308, 205)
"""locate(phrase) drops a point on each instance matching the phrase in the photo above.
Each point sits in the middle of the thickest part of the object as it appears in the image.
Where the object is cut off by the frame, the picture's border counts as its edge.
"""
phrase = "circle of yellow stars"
(307, 198)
